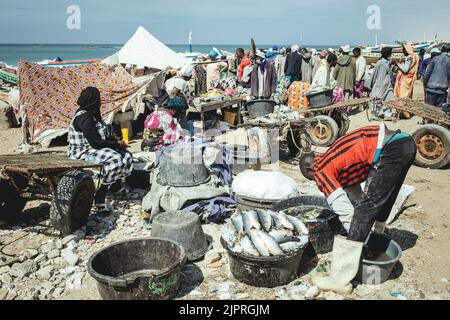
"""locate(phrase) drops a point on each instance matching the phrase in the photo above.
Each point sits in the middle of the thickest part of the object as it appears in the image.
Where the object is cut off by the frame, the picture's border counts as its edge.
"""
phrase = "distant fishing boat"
(8, 77)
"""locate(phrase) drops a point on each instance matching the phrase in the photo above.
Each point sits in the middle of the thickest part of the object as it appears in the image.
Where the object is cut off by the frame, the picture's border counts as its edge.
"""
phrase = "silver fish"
(248, 247)
(238, 224)
(271, 244)
(285, 221)
(237, 249)
(246, 225)
(299, 226)
(276, 222)
(289, 247)
(253, 218)
(265, 219)
(259, 243)
(229, 234)
(282, 236)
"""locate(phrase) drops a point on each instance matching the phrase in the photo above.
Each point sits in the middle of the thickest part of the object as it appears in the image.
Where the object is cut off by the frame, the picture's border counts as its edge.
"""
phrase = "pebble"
(444, 280)
(70, 257)
(68, 238)
(53, 254)
(3, 294)
(30, 253)
(46, 248)
(40, 258)
(5, 279)
(21, 270)
(312, 292)
(45, 273)
(57, 293)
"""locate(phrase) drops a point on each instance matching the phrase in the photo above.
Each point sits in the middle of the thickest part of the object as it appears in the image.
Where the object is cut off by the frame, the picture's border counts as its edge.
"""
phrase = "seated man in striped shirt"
(377, 156)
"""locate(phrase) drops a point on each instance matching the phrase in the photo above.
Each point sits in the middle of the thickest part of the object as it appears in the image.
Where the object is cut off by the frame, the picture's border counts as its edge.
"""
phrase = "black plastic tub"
(248, 204)
(265, 272)
(139, 178)
(260, 108)
(377, 272)
(140, 269)
(320, 99)
(323, 224)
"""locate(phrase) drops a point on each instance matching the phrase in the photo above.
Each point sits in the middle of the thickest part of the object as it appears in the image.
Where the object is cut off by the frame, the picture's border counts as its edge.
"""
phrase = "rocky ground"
(35, 263)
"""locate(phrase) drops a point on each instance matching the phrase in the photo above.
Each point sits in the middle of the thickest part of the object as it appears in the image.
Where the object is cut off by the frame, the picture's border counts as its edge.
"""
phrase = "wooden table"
(216, 105)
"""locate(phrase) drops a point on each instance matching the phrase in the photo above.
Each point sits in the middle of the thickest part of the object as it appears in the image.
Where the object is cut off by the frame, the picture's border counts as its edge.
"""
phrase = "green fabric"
(398, 136)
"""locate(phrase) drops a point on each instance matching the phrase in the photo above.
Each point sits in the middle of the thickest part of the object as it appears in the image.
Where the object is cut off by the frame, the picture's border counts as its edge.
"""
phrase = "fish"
(276, 222)
(259, 243)
(253, 218)
(229, 234)
(299, 226)
(246, 225)
(285, 221)
(271, 244)
(248, 247)
(238, 224)
(265, 219)
(282, 236)
(292, 246)
(237, 249)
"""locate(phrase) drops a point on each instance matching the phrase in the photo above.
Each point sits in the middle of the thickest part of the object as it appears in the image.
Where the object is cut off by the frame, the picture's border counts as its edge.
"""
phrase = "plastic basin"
(140, 269)
(377, 272)
(184, 228)
(265, 272)
(320, 99)
(260, 108)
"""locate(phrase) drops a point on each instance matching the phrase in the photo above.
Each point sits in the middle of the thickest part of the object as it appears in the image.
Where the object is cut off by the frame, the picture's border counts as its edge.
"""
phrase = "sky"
(224, 21)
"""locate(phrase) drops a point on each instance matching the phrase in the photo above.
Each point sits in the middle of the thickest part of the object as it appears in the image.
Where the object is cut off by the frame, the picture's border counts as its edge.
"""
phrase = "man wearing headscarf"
(90, 140)
(293, 66)
(437, 78)
(307, 66)
(280, 61)
(264, 77)
(345, 72)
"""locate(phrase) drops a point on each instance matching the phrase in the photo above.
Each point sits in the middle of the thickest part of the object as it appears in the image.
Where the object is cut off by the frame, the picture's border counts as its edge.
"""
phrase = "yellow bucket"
(125, 137)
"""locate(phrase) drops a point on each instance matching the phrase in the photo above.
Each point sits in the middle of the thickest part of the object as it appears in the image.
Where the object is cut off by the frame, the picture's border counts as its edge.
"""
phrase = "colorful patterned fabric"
(162, 120)
(49, 95)
(297, 98)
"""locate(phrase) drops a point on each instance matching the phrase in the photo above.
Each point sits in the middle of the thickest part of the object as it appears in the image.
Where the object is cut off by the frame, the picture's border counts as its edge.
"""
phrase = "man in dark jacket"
(263, 78)
(345, 72)
(437, 78)
(293, 66)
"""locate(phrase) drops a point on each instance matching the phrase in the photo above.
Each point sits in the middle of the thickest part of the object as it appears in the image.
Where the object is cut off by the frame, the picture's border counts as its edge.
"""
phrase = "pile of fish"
(264, 233)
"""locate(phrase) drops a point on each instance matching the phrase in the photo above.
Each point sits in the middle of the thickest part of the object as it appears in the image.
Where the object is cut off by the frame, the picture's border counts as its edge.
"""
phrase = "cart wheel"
(433, 146)
(72, 202)
(344, 124)
(11, 204)
(324, 133)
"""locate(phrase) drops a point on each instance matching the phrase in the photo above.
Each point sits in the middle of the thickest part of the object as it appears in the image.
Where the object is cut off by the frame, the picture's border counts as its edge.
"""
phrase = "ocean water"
(12, 53)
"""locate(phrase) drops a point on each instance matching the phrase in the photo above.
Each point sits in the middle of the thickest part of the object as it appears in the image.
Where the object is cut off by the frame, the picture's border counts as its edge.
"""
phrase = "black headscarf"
(90, 101)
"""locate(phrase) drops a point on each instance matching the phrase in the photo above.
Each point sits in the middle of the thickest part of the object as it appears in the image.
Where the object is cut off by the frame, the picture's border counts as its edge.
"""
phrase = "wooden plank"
(420, 109)
(343, 104)
(35, 163)
(215, 105)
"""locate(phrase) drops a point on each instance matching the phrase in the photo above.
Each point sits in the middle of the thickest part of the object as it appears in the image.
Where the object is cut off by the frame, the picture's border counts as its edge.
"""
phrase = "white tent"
(144, 49)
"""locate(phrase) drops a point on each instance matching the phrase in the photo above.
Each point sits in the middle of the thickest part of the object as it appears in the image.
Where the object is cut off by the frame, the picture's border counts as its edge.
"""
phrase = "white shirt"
(361, 65)
(178, 83)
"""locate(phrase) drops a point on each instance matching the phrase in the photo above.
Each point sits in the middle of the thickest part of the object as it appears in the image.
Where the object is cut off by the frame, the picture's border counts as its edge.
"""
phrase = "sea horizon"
(11, 53)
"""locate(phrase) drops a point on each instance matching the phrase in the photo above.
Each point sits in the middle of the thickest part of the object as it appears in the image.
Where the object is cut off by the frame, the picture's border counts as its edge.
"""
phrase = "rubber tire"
(444, 135)
(72, 202)
(11, 204)
(331, 138)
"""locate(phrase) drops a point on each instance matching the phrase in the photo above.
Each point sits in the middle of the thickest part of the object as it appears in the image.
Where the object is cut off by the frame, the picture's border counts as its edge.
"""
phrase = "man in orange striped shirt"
(377, 156)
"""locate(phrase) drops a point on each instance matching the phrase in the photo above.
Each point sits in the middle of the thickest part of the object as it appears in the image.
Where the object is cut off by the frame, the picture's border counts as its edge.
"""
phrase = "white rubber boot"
(344, 267)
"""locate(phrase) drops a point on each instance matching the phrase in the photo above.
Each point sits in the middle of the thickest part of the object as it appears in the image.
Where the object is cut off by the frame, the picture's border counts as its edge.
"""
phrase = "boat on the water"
(69, 63)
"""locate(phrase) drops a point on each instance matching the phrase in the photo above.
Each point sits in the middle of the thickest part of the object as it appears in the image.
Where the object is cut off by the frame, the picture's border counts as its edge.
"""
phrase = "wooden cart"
(49, 177)
(433, 140)
(332, 121)
(213, 106)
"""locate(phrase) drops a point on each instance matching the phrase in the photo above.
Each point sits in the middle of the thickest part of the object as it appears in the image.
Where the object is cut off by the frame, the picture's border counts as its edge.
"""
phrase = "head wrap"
(260, 54)
(324, 54)
(213, 54)
(295, 48)
(187, 70)
(346, 49)
(90, 101)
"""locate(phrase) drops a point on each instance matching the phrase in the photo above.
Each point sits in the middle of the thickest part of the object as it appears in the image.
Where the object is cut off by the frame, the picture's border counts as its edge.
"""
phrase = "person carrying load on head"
(90, 140)
(377, 156)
